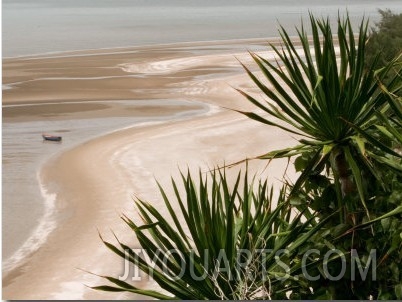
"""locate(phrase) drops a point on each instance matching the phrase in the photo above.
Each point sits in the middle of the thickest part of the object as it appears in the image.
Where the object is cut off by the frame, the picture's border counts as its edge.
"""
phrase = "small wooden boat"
(53, 138)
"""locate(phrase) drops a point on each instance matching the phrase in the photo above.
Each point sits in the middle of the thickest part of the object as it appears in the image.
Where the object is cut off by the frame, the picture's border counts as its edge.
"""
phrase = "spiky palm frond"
(211, 223)
(322, 92)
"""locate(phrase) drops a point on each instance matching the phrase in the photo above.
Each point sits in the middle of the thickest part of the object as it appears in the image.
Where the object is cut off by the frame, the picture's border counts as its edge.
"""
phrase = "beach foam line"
(39, 235)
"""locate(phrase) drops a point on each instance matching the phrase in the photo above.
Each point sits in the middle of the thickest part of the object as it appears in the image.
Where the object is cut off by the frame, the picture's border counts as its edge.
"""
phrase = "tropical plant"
(349, 118)
(333, 102)
(223, 243)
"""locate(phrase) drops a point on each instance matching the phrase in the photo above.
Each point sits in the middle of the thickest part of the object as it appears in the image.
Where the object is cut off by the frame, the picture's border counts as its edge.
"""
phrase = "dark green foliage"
(382, 236)
(385, 39)
(217, 222)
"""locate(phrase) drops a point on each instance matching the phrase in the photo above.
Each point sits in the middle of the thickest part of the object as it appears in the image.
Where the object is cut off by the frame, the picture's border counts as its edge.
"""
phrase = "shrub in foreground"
(225, 242)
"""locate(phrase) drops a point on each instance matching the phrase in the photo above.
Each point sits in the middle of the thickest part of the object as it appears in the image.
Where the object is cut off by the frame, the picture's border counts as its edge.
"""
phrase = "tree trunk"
(342, 167)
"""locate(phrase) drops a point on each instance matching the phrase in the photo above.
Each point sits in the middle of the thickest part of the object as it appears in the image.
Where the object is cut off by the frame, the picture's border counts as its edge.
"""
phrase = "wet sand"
(95, 182)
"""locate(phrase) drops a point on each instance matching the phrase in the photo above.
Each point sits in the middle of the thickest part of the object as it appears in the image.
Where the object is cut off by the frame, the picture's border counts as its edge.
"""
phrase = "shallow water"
(27, 208)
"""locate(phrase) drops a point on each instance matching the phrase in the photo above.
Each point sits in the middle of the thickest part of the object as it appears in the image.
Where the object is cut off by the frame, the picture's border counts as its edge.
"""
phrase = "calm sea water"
(41, 26)
(38, 26)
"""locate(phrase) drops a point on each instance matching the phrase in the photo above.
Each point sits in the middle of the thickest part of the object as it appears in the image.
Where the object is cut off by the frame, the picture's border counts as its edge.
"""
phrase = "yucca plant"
(219, 241)
(349, 118)
(322, 92)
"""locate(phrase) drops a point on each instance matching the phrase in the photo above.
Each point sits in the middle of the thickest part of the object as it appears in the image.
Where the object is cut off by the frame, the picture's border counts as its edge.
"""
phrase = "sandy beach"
(94, 182)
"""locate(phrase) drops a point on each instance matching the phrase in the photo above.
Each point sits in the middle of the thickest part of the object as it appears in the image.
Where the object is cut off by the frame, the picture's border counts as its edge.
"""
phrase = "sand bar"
(95, 182)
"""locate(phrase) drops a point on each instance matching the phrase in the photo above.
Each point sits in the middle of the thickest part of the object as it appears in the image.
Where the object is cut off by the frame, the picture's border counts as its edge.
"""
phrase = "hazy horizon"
(52, 26)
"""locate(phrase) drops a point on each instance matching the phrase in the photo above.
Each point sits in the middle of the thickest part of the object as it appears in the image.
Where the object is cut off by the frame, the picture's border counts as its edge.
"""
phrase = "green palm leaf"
(322, 91)
(208, 221)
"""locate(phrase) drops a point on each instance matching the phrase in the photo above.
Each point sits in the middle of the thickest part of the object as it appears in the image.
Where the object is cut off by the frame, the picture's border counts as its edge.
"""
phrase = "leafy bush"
(385, 39)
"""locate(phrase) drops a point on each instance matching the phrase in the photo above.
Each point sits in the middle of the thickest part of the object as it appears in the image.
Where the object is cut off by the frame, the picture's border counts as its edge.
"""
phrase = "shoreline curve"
(95, 181)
